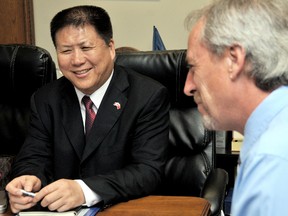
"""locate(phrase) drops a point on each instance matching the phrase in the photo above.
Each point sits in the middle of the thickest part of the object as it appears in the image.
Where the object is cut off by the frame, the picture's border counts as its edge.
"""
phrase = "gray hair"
(259, 26)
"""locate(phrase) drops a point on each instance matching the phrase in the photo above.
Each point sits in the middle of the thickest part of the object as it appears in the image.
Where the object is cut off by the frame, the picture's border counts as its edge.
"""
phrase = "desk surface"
(157, 206)
(160, 206)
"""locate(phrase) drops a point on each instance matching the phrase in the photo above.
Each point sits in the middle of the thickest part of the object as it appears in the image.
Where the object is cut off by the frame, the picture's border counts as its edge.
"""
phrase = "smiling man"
(123, 155)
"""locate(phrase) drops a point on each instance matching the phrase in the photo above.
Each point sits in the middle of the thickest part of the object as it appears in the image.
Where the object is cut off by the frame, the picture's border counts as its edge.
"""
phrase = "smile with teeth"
(82, 71)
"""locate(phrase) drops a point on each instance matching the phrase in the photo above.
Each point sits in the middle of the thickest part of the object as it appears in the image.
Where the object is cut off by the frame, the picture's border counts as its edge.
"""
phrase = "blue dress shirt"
(261, 186)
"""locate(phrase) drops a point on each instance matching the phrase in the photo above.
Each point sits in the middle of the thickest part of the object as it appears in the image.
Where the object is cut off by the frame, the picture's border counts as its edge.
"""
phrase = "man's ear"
(112, 49)
(235, 61)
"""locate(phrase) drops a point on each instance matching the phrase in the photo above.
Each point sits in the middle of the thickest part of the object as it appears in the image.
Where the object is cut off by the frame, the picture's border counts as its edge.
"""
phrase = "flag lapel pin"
(117, 105)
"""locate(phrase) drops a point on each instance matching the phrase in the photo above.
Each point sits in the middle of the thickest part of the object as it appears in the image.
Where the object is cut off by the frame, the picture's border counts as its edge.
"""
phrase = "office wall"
(132, 20)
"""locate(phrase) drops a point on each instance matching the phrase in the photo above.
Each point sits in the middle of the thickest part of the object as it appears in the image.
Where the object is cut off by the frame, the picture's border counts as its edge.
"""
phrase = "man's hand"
(61, 195)
(17, 201)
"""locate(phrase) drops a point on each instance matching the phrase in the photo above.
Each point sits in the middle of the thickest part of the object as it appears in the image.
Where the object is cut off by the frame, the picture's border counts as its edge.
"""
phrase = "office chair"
(190, 169)
(24, 69)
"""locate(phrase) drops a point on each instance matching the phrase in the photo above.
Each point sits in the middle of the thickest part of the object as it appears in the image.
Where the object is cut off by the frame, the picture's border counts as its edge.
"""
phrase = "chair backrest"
(192, 147)
(23, 69)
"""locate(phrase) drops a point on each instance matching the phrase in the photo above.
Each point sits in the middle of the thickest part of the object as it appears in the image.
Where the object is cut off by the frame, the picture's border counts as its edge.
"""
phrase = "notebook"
(77, 212)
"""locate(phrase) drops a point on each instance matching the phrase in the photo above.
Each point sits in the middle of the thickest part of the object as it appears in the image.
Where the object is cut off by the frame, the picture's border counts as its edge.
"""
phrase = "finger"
(57, 205)
(44, 192)
(13, 187)
(60, 205)
(27, 183)
(21, 199)
(19, 207)
(31, 183)
(51, 196)
(18, 204)
(63, 208)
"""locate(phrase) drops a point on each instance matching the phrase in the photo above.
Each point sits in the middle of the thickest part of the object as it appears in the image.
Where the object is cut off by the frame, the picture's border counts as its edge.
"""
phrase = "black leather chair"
(190, 170)
(23, 69)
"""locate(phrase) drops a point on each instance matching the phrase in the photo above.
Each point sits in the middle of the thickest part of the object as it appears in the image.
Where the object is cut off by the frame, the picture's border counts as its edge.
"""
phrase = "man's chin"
(208, 122)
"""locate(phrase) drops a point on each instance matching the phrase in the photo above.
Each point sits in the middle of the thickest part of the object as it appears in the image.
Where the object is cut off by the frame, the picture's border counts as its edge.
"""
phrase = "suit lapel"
(72, 119)
(109, 111)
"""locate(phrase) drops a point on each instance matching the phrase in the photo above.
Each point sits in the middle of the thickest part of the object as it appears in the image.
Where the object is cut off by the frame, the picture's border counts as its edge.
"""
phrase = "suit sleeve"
(35, 156)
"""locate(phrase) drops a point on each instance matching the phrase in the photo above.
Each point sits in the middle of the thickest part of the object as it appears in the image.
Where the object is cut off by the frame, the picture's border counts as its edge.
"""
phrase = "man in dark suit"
(123, 155)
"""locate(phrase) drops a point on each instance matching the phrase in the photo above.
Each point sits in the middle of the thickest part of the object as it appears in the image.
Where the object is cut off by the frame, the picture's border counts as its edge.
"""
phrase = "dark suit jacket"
(125, 152)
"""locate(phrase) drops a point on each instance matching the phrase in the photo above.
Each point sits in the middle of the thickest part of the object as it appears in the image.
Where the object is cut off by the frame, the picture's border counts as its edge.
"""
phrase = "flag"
(157, 41)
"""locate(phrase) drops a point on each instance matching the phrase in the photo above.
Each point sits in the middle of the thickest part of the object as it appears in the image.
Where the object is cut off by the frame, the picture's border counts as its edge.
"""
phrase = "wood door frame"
(17, 22)
(29, 22)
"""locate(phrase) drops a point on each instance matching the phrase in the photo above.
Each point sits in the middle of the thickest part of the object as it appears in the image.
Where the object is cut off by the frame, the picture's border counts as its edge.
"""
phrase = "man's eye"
(86, 48)
(66, 51)
(190, 67)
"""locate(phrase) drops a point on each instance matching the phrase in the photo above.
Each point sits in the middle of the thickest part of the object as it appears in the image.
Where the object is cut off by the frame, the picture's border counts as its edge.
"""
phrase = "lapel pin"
(117, 105)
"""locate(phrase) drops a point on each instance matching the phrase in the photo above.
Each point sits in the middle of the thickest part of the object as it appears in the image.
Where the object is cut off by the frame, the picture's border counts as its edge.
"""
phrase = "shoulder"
(138, 80)
(54, 89)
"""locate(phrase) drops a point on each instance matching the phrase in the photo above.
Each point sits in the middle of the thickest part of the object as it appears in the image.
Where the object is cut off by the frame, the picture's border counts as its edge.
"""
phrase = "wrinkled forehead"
(194, 39)
(196, 32)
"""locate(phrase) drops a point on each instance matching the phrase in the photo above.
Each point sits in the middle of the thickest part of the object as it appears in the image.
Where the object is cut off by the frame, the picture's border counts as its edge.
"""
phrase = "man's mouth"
(82, 71)
(197, 99)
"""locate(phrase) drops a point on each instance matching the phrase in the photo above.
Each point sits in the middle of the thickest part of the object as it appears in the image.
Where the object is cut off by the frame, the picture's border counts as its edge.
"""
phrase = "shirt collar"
(262, 116)
(96, 96)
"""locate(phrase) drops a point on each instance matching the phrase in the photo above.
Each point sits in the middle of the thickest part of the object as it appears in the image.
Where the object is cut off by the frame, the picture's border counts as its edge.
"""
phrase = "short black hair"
(80, 16)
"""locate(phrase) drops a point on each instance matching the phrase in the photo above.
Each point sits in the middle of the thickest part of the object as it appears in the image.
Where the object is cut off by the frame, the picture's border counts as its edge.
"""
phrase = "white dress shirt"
(91, 198)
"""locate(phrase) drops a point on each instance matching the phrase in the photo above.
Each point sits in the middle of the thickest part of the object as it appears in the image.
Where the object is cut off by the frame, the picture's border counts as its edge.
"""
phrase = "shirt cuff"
(91, 198)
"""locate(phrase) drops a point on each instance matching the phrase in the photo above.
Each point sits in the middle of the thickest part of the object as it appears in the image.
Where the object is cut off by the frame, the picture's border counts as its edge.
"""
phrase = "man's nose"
(78, 57)
(190, 87)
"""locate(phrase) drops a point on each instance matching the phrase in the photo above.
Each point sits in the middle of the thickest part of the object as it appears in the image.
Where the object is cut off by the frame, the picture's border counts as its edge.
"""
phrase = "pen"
(26, 193)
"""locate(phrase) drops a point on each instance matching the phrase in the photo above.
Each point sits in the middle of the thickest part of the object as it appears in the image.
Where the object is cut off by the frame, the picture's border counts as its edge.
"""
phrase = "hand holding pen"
(20, 192)
(26, 193)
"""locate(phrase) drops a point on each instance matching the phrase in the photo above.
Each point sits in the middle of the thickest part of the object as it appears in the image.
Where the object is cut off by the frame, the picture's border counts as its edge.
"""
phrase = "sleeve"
(34, 157)
(91, 198)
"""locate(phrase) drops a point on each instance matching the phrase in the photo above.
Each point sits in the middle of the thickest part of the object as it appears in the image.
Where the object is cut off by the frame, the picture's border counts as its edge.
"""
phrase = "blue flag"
(157, 41)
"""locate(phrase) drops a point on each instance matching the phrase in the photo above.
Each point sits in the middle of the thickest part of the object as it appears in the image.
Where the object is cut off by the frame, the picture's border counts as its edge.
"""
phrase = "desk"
(157, 206)
(160, 206)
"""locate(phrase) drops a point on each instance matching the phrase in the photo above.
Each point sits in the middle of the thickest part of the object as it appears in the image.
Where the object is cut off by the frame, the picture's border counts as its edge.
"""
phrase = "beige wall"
(132, 20)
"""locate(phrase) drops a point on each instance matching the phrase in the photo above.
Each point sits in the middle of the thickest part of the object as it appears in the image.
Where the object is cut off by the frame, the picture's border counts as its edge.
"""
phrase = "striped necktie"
(90, 114)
